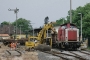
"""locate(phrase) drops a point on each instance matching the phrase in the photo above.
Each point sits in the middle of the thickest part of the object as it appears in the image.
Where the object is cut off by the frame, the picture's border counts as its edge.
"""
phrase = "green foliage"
(76, 19)
(88, 48)
(60, 21)
(5, 23)
(25, 24)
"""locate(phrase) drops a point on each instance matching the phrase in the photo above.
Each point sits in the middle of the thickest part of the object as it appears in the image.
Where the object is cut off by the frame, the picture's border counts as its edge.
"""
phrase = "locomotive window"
(72, 26)
(63, 27)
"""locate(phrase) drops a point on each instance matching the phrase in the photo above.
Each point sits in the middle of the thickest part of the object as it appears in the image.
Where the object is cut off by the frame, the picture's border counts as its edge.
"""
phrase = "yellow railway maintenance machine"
(43, 39)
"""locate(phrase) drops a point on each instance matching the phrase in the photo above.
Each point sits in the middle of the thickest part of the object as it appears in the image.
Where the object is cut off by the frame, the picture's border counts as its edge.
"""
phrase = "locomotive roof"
(68, 23)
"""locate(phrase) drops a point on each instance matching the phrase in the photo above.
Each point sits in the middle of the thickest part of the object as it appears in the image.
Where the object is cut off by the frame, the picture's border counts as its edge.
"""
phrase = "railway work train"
(67, 37)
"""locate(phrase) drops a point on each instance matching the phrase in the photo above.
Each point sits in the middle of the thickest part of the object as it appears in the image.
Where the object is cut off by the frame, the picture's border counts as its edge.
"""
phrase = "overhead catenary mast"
(70, 11)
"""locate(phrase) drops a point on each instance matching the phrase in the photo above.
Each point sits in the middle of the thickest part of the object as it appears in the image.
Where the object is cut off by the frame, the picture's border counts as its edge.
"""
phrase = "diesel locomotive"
(67, 37)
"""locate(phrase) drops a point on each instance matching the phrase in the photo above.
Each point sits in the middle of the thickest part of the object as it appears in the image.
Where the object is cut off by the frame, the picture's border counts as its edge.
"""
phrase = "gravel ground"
(25, 55)
(45, 56)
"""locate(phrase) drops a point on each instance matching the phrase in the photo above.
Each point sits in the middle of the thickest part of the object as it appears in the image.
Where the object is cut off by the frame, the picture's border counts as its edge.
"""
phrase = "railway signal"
(15, 11)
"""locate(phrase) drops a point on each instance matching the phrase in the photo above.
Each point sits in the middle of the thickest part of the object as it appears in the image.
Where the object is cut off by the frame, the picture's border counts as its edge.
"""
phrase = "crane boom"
(42, 36)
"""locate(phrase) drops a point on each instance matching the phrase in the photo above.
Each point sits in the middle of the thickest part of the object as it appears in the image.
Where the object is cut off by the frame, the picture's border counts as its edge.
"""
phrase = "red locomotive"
(68, 36)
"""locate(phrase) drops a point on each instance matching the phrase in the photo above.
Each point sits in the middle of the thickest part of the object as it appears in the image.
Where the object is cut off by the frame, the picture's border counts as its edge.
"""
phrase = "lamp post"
(20, 30)
(15, 11)
(81, 24)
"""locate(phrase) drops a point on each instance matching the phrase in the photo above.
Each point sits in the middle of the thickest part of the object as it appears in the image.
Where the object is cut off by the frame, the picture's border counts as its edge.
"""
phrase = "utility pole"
(14, 31)
(63, 21)
(26, 33)
(20, 30)
(33, 30)
(70, 11)
(15, 11)
(9, 27)
(81, 24)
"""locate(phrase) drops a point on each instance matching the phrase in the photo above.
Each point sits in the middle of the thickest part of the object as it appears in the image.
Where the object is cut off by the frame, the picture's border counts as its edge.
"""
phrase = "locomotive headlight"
(78, 43)
(66, 43)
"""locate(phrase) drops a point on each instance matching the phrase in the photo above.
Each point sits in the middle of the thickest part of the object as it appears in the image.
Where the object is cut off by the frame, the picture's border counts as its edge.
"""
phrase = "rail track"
(13, 53)
(78, 56)
(86, 54)
(72, 54)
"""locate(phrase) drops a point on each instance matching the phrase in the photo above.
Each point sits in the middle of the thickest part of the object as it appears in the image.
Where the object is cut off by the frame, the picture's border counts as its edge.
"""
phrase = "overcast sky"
(37, 10)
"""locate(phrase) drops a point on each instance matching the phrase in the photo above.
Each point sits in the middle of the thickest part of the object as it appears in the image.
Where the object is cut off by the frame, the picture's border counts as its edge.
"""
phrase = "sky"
(37, 10)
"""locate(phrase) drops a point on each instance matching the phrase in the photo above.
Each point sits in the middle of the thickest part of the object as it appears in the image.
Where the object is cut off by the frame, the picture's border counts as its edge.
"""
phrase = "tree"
(5, 23)
(26, 24)
(60, 21)
(76, 19)
(85, 11)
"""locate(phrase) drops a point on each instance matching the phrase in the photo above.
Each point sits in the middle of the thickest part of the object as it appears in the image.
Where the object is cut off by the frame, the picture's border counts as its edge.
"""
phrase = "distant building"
(35, 31)
(22, 36)
(4, 36)
(56, 27)
(9, 29)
